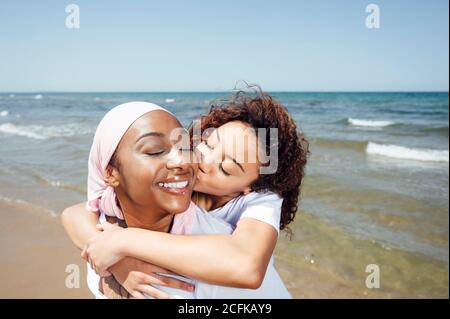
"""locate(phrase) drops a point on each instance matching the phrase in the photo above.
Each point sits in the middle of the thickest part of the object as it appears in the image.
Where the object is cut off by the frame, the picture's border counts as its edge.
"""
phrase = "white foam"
(40, 132)
(170, 100)
(4, 113)
(11, 95)
(369, 123)
(25, 204)
(401, 152)
(38, 96)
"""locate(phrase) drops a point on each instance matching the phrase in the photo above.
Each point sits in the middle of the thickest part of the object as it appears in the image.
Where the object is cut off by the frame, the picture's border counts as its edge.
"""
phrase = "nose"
(178, 160)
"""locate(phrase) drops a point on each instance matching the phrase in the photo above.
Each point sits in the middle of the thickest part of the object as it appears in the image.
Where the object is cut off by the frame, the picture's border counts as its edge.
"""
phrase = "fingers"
(137, 295)
(156, 279)
(153, 292)
(104, 273)
(84, 254)
(157, 269)
(100, 271)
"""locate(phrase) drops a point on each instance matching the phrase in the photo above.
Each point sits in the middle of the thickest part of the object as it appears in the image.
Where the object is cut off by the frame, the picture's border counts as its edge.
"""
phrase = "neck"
(149, 218)
(210, 202)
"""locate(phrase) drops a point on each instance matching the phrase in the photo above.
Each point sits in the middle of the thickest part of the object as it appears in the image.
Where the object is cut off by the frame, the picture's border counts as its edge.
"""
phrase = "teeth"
(174, 185)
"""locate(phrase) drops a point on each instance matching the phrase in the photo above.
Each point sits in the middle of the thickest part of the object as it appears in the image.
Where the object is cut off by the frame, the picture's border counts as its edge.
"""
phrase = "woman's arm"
(236, 260)
(79, 224)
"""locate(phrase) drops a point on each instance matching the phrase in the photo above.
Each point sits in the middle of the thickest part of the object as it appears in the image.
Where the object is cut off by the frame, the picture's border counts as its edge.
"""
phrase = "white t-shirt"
(265, 207)
(196, 222)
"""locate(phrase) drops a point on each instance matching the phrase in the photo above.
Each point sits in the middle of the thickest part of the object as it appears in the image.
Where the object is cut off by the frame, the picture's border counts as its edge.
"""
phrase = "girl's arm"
(136, 276)
(236, 260)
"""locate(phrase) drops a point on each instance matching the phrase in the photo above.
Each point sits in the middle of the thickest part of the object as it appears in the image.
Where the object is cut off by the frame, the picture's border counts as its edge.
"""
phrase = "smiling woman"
(131, 154)
(147, 170)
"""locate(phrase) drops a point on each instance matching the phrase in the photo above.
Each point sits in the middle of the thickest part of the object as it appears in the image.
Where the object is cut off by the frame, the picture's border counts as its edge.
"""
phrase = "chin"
(178, 207)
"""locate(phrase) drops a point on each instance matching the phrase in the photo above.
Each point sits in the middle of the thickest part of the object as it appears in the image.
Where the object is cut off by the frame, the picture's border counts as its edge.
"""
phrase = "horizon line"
(226, 91)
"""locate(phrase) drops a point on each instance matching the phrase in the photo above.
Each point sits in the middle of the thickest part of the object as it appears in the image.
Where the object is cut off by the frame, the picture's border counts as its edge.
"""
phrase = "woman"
(240, 260)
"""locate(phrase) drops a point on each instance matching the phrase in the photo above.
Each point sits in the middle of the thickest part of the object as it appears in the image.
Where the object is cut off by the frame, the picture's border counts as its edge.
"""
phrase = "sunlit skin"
(229, 163)
(146, 157)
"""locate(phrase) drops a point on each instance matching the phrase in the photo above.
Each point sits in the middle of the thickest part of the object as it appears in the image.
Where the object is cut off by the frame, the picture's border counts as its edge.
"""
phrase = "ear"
(111, 176)
(247, 191)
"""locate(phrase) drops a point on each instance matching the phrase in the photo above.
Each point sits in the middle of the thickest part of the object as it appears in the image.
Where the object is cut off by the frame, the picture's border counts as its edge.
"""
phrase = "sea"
(373, 218)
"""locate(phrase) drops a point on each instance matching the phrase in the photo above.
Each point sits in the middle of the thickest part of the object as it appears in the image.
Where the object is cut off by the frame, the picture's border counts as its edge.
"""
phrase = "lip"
(176, 191)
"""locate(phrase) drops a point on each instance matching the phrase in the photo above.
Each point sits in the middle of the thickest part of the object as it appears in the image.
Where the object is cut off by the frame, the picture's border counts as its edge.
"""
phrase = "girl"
(257, 205)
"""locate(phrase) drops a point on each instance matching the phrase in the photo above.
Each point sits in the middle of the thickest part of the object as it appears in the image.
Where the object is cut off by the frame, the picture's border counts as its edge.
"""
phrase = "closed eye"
(207, 145)
(223, 171)
(155, 153)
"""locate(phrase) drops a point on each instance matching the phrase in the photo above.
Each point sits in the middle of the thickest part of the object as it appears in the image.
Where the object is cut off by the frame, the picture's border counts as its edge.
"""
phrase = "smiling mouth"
(178, 187)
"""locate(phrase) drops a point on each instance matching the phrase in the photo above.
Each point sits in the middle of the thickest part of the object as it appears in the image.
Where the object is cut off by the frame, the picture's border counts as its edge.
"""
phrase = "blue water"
(376, 157)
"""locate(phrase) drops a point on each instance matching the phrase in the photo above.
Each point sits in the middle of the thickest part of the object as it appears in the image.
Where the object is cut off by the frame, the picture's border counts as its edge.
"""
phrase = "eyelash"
(159, 153)
(155, 154)
(220, 165)
(207, 145)
(223, 171)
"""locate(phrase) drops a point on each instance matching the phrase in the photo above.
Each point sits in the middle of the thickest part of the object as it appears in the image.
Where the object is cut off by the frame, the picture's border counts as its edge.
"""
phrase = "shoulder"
(265, 207)
(263, 199)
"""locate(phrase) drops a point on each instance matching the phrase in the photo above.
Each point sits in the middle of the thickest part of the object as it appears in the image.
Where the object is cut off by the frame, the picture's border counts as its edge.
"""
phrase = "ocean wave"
(443, 130)
(40, 132)
(58, 184)
(401, 152)
(26, 205)
(369, 123)
(334, 143)
(169, 100)
(38, 97)
(4, 113)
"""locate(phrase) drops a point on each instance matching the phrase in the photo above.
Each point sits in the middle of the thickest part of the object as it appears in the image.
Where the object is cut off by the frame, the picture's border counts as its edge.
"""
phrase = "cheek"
(225, 185)
(139, 179)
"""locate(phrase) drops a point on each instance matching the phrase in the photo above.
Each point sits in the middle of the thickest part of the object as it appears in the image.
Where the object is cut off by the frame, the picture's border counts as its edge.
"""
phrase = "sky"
(210, 45)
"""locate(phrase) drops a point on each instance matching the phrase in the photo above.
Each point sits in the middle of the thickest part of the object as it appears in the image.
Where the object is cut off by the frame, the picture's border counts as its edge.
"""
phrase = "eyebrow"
(156, 134)
(234, 160)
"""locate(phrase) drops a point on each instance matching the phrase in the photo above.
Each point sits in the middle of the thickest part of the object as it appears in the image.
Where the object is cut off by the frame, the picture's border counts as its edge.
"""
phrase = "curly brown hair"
(260, 110)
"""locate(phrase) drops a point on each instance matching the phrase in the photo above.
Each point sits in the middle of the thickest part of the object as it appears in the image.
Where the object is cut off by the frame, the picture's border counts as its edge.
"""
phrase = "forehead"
(239, 140)
(155, 121)
(237, 129)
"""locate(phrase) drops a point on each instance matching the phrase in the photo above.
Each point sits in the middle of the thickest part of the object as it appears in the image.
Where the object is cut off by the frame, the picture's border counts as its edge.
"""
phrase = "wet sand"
(34, 255)
(35, 252)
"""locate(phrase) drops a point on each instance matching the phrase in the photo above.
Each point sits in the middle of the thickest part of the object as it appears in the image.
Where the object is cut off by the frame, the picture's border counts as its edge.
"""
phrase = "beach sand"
(35, 252)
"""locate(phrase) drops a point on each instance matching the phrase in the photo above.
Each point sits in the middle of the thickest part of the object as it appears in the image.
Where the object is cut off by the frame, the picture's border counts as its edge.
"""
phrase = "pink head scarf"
(111, 129)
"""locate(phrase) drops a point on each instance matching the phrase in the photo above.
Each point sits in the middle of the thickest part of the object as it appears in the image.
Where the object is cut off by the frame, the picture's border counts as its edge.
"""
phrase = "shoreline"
(36, 252)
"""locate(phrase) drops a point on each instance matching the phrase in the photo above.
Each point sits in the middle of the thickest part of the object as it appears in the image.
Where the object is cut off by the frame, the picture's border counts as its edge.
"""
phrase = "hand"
(102, 251)
(109, 224)
(139, 278)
